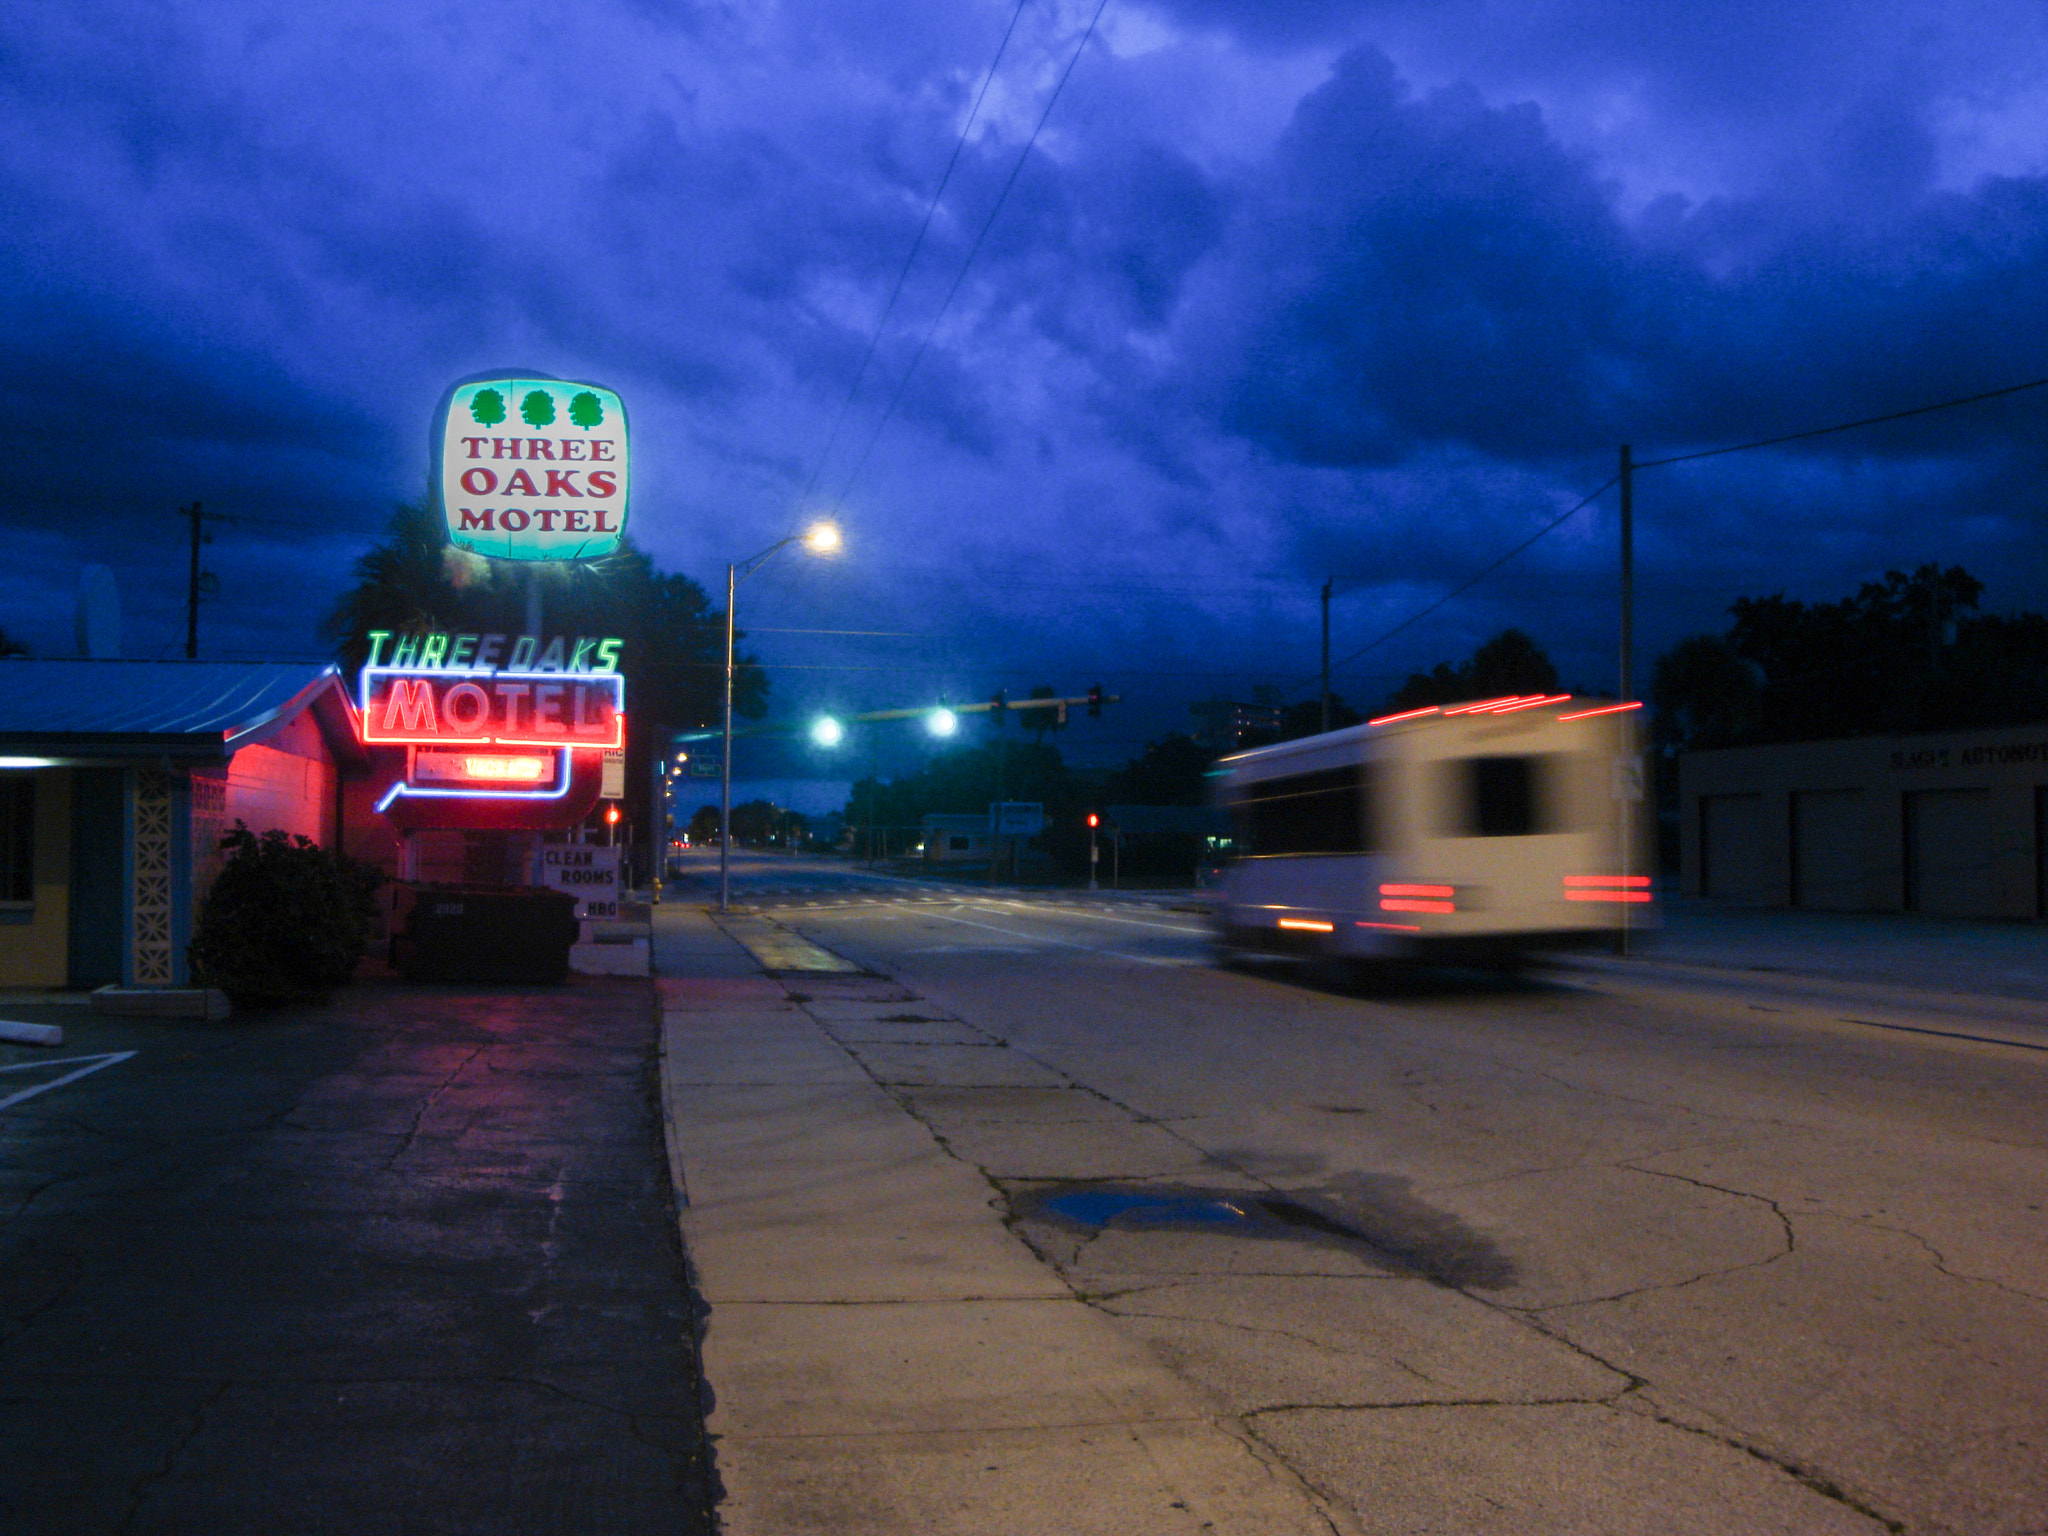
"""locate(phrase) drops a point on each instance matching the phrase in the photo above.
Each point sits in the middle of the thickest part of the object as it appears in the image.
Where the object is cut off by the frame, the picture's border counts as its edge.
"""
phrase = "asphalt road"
(773, 878)
(407, 1264)
(1635, 1248)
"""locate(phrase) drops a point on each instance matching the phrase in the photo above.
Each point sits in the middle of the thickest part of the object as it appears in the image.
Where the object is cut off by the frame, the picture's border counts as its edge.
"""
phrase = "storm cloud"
(1278, 294)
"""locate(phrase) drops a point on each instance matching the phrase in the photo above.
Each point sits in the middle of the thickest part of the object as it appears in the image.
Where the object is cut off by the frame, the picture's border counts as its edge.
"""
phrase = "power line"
(1460, 590)
(1842, 426)
(915, 246)
(972, 251)
(1682, 458)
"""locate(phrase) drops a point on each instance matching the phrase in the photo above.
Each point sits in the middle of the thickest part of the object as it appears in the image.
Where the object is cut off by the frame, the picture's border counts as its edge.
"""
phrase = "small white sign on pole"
(1628, 779)
(613, 785)
(586, 871)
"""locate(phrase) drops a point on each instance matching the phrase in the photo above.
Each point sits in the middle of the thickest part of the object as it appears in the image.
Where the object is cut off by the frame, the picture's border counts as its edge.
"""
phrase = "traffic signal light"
(611, 815)
(1094, 821)
(1095, 702)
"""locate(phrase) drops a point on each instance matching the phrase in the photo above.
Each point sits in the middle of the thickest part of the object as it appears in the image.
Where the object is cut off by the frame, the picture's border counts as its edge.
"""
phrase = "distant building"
(956, 839)
(1952, 825)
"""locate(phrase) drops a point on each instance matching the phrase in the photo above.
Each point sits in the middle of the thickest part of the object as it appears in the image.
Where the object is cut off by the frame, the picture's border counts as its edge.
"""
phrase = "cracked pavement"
(1606, 1255)
(403, 1264)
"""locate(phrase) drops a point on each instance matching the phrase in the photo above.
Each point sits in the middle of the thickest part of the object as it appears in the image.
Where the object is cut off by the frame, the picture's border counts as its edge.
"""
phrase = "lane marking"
(1790, 1008)
(1185, 930)
(1036, 938)
(1948, 1034)
(92, 1064)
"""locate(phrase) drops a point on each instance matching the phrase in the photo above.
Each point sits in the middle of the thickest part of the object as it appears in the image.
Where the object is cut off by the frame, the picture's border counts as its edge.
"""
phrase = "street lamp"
(821, 538)
(942, 722)
(827, 732)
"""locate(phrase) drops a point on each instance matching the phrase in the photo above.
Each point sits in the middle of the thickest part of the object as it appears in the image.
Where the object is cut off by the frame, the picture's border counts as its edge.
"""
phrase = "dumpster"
(467, 933)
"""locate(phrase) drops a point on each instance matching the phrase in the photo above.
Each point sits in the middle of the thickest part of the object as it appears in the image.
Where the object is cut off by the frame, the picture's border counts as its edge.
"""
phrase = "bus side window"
(1503, 796)
(1329, 811)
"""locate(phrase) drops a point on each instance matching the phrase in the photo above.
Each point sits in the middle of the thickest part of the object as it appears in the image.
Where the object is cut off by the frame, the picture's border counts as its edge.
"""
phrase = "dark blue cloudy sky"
(1282, 292)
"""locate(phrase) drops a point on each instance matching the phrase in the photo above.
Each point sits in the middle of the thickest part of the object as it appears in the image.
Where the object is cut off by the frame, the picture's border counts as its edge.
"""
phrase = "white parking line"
(91, 1064)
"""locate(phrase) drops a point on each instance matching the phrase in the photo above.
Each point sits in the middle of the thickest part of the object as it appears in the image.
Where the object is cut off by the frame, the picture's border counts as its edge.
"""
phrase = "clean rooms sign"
(532, 469)
(585, 871)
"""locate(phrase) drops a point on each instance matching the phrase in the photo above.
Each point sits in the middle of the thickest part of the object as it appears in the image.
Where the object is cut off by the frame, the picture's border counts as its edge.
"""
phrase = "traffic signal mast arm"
(1094, 699)
(982, 709)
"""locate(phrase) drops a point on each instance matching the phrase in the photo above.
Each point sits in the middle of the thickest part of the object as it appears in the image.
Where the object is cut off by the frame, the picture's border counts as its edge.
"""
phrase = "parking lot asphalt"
(407, 1263)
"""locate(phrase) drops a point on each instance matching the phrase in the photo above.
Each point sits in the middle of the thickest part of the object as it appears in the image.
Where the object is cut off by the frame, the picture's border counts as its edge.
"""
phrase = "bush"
(287, 920)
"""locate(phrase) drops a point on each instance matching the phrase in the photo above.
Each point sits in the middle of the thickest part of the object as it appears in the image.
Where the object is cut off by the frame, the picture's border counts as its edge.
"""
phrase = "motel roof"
(197, 711)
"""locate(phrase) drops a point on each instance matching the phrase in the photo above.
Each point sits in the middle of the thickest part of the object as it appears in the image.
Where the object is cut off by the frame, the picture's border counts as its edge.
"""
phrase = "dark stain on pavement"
(1371, 1215)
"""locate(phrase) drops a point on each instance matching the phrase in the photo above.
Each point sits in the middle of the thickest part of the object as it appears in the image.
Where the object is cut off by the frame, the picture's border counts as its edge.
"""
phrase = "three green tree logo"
(536, 408)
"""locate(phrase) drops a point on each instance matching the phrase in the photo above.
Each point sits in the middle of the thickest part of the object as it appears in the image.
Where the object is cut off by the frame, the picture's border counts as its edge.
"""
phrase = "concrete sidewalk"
(1978, 955)
(886, 1356)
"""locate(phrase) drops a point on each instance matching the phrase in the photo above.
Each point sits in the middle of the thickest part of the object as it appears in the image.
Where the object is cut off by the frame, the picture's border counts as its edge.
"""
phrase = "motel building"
(1949, 825)
(452, 759)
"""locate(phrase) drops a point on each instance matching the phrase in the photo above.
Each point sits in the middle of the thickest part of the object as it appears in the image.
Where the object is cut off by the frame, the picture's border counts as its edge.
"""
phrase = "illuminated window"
(17, 839)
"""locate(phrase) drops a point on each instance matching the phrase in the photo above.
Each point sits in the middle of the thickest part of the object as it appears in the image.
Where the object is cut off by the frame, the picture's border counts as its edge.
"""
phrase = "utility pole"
(1628, 574)
(1326, 654)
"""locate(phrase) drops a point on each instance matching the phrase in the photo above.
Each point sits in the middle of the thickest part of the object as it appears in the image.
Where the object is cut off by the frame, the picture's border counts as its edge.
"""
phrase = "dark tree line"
(1904, 654)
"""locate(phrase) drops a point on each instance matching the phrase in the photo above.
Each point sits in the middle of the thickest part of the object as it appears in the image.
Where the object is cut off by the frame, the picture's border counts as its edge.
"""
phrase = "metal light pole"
(820, 539)
(1628, 657)
(1326, 652)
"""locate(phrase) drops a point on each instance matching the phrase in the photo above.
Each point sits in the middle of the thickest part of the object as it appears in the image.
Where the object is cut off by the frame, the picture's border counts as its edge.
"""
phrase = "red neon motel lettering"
(563, 710)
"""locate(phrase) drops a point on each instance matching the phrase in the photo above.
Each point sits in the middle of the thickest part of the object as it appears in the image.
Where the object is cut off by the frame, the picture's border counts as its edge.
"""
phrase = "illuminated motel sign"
(491, 715)
(532, 468)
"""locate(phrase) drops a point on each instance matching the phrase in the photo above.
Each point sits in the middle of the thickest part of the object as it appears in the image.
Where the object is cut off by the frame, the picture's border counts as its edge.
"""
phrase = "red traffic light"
(611, 814)
(1094, 820)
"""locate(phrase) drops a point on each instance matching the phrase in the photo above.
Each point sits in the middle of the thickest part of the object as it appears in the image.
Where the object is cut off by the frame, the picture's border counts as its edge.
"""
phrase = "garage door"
(1733, 849)
(1828, 850)
(1949, 865)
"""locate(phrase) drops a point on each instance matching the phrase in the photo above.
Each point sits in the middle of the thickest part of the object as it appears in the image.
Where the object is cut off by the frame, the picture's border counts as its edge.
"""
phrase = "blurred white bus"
(1481, 833)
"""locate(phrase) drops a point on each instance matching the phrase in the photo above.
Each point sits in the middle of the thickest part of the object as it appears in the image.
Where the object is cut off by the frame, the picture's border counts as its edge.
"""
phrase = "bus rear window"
(1325, 812)
(1502, 796)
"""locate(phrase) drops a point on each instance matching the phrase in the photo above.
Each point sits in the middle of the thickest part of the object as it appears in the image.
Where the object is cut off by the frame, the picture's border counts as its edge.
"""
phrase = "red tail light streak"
(1418, 898)
(1625, 888)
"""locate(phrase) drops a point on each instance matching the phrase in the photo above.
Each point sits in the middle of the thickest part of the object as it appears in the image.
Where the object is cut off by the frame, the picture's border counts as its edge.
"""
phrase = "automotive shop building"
(1951, 825)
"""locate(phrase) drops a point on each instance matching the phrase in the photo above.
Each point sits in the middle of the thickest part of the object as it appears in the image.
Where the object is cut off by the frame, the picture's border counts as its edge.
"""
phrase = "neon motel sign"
(532, 468)
(490, 715)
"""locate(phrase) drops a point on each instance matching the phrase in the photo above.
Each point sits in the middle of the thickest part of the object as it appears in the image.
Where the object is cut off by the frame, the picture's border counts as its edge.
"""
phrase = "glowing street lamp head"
(942, 722)
(827, 732)
(822, 538)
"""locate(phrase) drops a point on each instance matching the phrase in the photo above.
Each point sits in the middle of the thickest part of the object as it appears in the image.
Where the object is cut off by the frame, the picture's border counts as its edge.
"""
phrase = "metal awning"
(199, 711)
